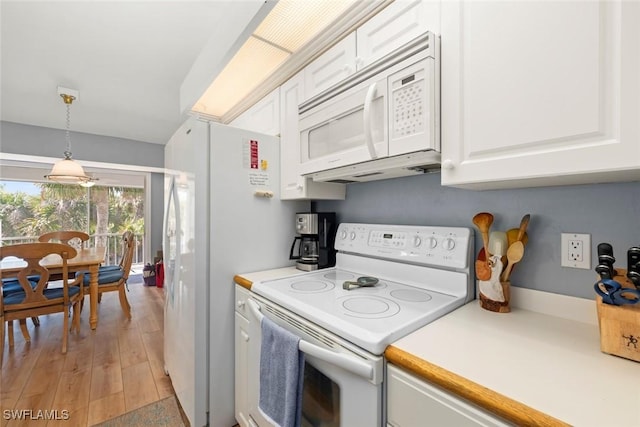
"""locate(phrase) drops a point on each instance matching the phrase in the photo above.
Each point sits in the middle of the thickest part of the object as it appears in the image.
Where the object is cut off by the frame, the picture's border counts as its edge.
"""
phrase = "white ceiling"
(126, 58)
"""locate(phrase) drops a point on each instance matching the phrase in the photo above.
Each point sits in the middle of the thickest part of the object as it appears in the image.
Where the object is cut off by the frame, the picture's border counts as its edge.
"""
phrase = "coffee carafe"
(316, 238)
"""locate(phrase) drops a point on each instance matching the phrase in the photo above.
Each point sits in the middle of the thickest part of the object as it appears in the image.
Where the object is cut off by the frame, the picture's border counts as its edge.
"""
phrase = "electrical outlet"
(575, 250)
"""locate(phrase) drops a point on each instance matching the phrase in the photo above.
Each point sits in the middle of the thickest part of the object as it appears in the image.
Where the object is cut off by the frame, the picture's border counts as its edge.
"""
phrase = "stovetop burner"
(368, 307)
(312, 286)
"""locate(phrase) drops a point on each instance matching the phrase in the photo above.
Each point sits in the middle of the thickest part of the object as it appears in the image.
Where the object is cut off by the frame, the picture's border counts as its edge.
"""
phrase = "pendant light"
(67, 170)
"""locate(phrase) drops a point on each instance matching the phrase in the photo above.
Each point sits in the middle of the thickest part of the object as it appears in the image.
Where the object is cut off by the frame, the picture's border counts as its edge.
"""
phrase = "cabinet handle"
(240, 304)
(448, 164)
(348, 69)
(244, 336)
(359, 61)
(368, 132)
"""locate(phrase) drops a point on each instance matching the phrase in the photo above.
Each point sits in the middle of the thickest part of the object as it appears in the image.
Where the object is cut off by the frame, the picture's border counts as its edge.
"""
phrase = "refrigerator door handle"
(348, 363)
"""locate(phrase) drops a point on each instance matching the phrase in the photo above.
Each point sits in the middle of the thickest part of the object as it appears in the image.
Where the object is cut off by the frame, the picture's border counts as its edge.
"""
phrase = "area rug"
(161, 413)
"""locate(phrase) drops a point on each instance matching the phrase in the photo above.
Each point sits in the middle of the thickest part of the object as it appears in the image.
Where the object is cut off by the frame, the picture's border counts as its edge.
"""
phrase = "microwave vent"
(411, 164)
(364, 175)
(342, 181)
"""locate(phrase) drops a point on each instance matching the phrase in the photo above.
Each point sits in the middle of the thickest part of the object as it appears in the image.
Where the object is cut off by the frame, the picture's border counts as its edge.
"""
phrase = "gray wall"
(40, 141)
(609, 212)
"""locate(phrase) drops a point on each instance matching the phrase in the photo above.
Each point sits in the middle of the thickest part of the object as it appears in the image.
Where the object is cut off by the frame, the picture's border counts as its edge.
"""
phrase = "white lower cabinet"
(241, 360)
(413, 402)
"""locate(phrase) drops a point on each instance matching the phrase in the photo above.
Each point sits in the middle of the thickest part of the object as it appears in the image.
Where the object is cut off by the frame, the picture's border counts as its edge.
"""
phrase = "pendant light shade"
(67, 170)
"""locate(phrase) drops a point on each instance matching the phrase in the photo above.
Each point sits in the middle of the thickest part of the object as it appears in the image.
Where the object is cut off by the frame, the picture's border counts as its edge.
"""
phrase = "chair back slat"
(68, 237)
(129, 249)
(32, 254)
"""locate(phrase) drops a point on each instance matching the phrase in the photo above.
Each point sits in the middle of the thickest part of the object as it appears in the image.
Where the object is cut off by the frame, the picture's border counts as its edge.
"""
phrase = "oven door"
(342, 384)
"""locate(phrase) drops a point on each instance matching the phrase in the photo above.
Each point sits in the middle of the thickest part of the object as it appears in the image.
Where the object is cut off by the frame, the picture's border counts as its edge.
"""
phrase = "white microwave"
(382, 122)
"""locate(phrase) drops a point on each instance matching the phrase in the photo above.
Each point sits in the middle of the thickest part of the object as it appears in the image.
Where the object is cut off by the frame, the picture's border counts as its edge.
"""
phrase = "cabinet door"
(292, 185)
(412, 402)
(241, 370)
(539, 93)
(331, 67)
(395, 25)
(263, 117)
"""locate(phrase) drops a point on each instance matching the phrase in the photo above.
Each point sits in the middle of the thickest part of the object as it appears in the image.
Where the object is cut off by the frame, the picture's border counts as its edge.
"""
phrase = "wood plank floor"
(105, 373)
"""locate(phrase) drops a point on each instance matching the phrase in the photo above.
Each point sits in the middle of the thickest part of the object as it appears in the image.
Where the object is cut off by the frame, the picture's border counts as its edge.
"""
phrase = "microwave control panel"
(408, 106)
(409, 95)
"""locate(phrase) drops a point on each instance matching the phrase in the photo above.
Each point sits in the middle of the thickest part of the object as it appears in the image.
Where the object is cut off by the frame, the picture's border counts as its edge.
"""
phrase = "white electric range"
(422, 273)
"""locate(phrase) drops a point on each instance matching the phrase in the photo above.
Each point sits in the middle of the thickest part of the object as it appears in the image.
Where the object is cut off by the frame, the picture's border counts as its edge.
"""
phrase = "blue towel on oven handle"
(281, 375)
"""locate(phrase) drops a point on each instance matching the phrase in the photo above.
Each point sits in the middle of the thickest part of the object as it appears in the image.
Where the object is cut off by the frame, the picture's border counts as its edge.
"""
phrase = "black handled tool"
(605, 261)
(633, 265)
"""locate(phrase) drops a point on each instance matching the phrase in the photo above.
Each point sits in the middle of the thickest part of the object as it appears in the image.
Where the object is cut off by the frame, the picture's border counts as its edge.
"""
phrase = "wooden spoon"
(519, 234)
(483, 221)
(514, 255)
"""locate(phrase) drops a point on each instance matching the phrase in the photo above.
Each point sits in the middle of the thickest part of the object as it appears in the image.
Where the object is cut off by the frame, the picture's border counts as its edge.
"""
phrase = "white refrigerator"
(219, 221)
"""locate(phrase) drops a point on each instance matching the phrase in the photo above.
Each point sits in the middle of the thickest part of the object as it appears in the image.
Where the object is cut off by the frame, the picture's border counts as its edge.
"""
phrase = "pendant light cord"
(68, 99)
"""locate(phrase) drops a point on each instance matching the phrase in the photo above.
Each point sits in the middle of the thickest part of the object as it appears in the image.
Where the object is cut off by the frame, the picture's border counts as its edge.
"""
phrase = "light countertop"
(551, 364)
(247, 279)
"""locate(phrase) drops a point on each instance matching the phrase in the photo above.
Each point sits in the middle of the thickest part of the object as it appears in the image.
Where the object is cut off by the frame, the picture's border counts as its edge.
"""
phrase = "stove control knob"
(449, 244)
(343, 235)
(417, 241)
(352, 236)
(433, 242)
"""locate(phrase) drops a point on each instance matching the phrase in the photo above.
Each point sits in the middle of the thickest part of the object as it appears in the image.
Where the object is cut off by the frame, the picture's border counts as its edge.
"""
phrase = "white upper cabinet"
(397, 24)
(331, 67)
(540, 92)
(263, 116)
(293, 186)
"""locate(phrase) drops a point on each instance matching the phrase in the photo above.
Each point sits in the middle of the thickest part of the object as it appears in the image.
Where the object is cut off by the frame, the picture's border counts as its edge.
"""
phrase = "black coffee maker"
(316, 237)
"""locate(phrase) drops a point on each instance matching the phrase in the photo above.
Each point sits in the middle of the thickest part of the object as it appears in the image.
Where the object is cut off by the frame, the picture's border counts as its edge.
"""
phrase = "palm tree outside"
(100, 211)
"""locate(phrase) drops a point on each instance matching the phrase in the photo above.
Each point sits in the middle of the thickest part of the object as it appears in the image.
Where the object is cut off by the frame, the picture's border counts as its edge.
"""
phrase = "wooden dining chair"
(73, 238)
(35, 298)
(115, 278)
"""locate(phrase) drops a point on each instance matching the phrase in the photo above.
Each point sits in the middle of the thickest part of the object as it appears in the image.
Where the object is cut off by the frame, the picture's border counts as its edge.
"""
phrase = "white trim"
(92, 164)
(146, 255)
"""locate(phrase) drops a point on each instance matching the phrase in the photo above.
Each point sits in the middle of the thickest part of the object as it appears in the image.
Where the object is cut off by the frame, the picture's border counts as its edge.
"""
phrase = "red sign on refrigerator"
(254, 154)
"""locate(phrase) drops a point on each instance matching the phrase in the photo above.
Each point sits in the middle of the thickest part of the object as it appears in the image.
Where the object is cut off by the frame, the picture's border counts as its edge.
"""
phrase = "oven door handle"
(348, 363)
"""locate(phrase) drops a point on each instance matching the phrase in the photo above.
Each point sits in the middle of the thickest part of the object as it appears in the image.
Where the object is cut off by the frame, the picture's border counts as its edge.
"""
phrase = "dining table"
(87, 259)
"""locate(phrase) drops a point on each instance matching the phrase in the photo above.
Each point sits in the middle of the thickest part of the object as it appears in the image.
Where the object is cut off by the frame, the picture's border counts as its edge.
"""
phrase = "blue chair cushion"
(15, 286)
(103, 277)
(108, 268)
(31, 278)
(18, 297)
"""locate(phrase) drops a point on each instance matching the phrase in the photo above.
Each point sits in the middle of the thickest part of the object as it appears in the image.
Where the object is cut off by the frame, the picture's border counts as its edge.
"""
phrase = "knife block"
(619, 325)
(497, 306)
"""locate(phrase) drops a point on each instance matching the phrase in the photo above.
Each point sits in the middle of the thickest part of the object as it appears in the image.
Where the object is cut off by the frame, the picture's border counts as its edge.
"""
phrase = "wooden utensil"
(519, 234)
(514, 255)
(483, 221)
